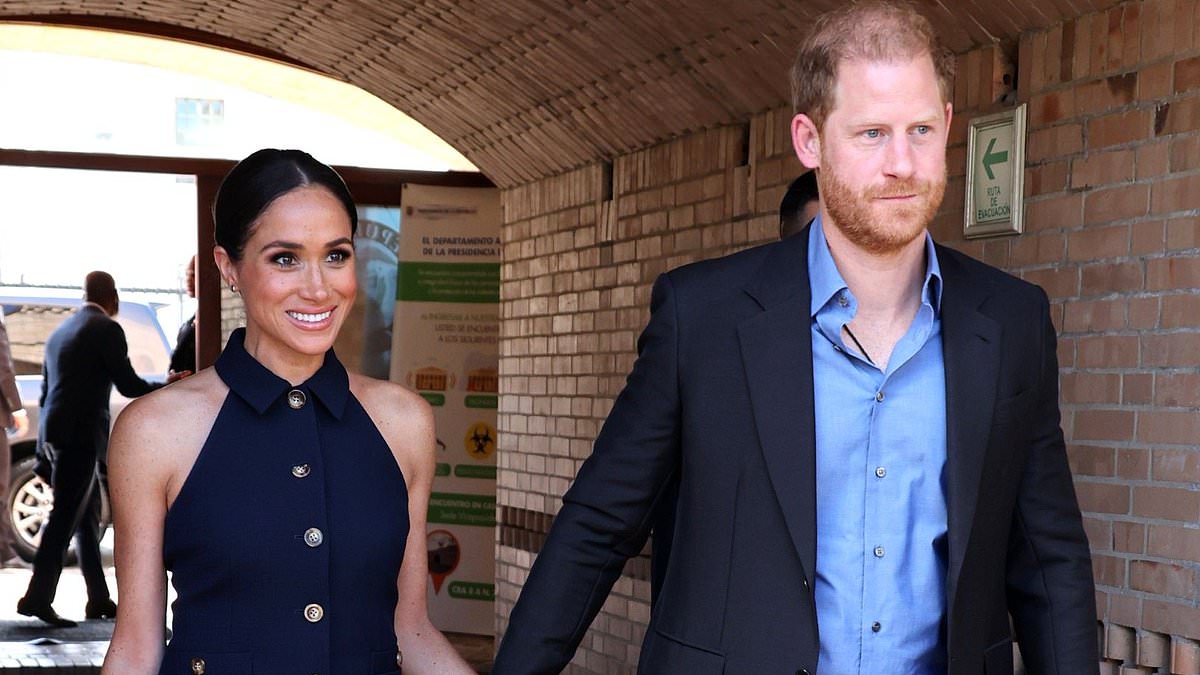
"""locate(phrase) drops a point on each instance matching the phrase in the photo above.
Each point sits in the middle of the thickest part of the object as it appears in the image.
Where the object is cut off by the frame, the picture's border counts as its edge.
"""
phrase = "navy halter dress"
(286, 539)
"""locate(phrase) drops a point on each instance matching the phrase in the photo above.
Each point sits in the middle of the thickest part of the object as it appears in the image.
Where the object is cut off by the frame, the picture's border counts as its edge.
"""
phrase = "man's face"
(883, 152)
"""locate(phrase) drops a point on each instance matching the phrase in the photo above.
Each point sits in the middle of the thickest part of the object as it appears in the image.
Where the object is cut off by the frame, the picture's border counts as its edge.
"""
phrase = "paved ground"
(27, 645)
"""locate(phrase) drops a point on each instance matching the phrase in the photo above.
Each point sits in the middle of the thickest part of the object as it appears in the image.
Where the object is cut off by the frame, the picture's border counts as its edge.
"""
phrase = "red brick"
(1098, 533)
(1178, 390)
(1133, 464)
(1173, 273)
(1187, 75)
(1152, 159)
(1178, 117)
(1105, 278)
(1171, 618)
(1108, 570)
(1185, 153)
(1180, 311)
(1183, 233)
(1118, 128)
(1119, 203)
(1125, 610)
(1170, 541)
(1116, 35)
(1169, 427)
(1131, 51)
(1047, 178)
(1038, 249)
(1166, 503)
(1154, 82)
(1045, 109)
(1103, 425)
(1173, 350)
(1147, 238)
(1098, 243)
(1137, 388)
(1161, 578)
(1102, 497)
(1108, 351)
(1090, 460)
(1060, 212)
(1128, 537)
(1058, 282)
(1054, 143)
(1176, 465)
(1143, 313)
(1157, 33)
(1099, 96)
(1098, 56)
(1094, 317)
(1102, 168)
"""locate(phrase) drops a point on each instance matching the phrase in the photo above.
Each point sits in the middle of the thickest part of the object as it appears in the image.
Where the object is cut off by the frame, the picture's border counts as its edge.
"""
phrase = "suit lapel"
(971, 350)
(776, 349)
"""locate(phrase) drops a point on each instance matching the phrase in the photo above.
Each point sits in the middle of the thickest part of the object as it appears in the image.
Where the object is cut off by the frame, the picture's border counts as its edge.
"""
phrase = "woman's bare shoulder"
(172, 415)
(403, 418)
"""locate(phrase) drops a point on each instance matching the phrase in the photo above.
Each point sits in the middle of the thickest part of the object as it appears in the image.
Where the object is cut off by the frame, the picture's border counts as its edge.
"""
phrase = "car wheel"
(30, 500)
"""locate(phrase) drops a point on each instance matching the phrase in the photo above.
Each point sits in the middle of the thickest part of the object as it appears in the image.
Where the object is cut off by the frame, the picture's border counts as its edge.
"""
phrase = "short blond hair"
(876, 30)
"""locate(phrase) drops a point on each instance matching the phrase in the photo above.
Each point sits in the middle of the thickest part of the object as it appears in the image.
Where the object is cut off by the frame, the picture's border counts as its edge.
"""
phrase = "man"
(183, 359)
(800, 204)
(10, 403)
(861, 426)
(85, 356)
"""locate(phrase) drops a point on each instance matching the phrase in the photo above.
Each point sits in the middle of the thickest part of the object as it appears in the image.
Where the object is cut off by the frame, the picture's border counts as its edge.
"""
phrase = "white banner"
(445, 345)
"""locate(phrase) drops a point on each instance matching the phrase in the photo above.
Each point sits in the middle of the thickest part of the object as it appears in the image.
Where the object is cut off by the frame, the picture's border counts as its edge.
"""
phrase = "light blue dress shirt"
(881, 504)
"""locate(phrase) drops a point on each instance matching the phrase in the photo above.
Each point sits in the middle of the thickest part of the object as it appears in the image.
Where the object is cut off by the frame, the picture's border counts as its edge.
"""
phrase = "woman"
(286, 496)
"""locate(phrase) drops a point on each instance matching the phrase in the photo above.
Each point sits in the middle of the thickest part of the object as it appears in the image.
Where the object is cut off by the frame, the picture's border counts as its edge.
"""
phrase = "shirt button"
(197, 666)
(842, 300)
(878, 551)
(313, 537)
(879, 396)
(880, 472)
(876, 627)
(296, 399)
(301, 470)
(313, 612)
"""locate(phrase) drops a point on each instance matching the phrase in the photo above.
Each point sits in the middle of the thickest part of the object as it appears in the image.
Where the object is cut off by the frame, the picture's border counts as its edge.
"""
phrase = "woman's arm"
(423, 648)
(137, 483)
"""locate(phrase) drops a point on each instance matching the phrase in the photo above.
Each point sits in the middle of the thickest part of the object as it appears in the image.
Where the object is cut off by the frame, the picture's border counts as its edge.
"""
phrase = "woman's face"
(296, 276)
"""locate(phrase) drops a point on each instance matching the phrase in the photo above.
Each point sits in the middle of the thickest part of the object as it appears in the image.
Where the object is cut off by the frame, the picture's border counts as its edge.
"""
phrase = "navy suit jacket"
(85, 356)
(717, 417)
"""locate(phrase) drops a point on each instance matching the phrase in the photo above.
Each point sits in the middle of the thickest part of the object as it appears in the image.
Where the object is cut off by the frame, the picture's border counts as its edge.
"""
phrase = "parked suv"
(30, 315)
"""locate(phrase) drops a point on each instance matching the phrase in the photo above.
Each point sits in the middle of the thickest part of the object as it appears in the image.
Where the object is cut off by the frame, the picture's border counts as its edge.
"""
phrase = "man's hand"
(173, 376)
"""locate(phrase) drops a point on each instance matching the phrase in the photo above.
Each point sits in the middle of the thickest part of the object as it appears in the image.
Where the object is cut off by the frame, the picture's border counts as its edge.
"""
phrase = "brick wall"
(1113, 235)
(1112, 232)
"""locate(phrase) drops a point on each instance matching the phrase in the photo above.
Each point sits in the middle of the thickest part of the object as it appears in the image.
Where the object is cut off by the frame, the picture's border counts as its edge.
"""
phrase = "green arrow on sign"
(990, 158)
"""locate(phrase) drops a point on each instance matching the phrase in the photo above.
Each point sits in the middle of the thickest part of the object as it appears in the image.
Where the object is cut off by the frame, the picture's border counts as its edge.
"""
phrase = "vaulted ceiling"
(530, 88)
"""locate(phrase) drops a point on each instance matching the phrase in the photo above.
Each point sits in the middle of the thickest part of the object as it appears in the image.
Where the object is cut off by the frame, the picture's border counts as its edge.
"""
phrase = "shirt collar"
(260, 388)
(826, 281)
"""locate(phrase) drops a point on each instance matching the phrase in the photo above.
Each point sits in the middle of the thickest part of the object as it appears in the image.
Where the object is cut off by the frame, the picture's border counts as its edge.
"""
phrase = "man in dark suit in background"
(859, 428)
(800, 204)
(85, 356)
(183, 359)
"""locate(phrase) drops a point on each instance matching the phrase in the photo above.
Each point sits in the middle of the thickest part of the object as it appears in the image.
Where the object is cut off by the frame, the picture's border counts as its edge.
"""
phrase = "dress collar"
(260, 388)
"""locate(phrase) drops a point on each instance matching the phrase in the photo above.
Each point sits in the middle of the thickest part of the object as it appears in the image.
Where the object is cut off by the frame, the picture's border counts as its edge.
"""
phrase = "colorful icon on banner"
(444, 554)
(430, 378)
(480, 441)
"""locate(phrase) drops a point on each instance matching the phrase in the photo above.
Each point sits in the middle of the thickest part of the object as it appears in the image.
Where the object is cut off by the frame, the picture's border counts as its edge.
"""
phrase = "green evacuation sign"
(993, 173)
(448, 282)
(451, 508)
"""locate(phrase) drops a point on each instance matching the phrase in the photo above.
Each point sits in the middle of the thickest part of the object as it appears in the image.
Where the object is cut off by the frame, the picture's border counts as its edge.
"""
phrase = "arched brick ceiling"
(529, 88)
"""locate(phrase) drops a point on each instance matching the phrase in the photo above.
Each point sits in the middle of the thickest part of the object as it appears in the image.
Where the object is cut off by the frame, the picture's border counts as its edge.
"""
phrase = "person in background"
(85, 356)
(184, 356)
(289, 502)
(10, 404)
(800, 204)
(859, 427)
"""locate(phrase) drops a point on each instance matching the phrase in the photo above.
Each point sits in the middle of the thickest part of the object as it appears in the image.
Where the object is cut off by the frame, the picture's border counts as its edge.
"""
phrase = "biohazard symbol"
(480, 441)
